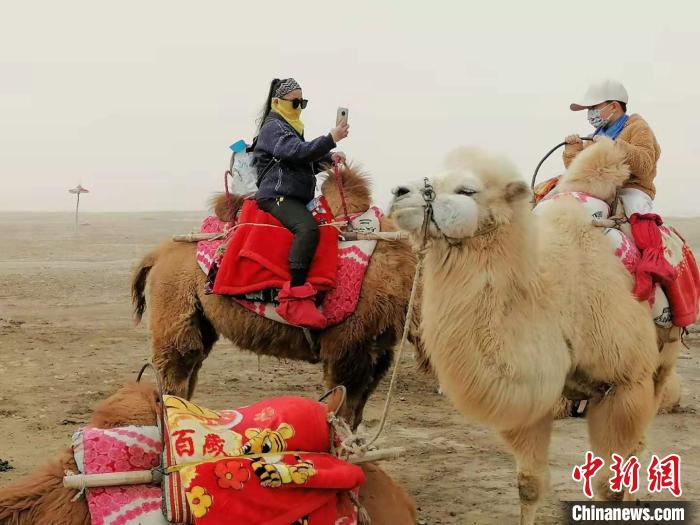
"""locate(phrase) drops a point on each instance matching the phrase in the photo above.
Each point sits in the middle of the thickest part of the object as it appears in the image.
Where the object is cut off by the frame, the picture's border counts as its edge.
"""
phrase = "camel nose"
(400, 191)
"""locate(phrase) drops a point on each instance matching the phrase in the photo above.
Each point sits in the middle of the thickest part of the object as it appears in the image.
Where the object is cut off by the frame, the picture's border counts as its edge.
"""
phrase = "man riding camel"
(606, 102)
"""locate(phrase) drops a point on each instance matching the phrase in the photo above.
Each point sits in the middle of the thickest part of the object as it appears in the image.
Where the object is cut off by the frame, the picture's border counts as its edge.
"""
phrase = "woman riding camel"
(287, 167)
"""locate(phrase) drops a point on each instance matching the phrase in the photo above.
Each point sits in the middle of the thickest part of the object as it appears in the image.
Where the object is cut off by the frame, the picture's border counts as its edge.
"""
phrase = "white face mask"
(595, 120)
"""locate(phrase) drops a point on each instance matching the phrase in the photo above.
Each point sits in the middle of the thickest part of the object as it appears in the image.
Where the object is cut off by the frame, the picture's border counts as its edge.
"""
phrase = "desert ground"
(67, 340)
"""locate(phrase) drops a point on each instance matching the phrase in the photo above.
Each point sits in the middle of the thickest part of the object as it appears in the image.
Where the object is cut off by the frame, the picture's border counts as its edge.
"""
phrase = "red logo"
(626, 475)
(665, 474)
(586, 471)
(662, 474)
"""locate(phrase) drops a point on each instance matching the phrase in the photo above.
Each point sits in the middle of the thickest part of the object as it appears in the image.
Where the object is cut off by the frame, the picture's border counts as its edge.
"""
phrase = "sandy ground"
(67, 341)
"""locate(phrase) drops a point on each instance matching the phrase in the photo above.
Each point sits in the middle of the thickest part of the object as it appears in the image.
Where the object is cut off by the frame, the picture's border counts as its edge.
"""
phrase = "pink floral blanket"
(123, 449)
(353, 259)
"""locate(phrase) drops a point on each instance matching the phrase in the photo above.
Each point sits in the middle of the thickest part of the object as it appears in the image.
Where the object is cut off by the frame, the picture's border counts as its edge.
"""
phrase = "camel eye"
(466, 191)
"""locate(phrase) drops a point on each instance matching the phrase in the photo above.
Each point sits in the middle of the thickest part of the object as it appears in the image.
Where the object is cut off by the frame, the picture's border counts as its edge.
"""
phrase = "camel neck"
(488, 275)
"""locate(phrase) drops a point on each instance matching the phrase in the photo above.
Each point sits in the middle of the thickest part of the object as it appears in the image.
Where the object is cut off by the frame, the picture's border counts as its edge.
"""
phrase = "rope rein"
(339, 182)
(351, 444)
(546, 156)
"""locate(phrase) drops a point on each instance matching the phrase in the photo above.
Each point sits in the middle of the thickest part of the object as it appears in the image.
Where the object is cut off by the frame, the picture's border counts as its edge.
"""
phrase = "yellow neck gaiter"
(288, 113)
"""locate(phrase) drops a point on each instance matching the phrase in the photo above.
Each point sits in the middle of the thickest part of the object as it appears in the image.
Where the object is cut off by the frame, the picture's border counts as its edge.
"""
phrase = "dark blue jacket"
(286, 163)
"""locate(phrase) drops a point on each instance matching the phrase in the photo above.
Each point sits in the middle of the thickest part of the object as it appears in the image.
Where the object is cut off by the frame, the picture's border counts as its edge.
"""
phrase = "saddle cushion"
(267, 463)
(353, 259)
(684, 292)
(258, 253)
(675, 301)
(125, 449)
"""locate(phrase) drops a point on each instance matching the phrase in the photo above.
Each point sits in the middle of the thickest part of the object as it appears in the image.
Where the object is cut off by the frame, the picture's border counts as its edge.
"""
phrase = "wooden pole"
(348, 236)
(77, 204)
(377, 455)
(110, 479)
(196, 237)
(144, 477)
(378, 236)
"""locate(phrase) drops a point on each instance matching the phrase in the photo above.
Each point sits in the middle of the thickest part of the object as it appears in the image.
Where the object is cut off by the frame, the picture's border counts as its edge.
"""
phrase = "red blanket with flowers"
(267, 463)
(257, 256)
(683, 290)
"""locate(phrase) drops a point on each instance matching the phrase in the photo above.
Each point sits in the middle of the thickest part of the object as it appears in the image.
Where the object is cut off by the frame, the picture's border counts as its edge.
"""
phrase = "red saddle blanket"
(684, 292)
(257, 256)
(268, 463)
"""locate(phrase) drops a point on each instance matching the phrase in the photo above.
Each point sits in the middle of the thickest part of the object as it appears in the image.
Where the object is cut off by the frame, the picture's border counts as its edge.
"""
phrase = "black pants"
(295, 217)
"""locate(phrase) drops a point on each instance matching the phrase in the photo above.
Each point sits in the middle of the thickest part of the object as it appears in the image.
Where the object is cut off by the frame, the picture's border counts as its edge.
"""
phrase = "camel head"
(599, 170)
(476, 193)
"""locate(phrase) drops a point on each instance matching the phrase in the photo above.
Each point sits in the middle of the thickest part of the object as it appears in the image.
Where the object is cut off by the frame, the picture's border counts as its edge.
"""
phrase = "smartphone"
(341, 116)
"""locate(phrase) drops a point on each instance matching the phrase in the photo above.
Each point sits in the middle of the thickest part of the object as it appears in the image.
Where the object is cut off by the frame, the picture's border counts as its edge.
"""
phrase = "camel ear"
(286, 431)
(516, 191)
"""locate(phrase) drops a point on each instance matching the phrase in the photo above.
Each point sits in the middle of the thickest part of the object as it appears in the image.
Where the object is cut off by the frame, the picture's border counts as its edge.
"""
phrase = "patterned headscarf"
(286, 87)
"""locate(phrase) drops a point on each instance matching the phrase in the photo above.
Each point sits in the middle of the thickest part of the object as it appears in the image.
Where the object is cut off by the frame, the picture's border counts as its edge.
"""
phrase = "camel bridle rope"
(428, 193)
(352, 443)
(341, 190)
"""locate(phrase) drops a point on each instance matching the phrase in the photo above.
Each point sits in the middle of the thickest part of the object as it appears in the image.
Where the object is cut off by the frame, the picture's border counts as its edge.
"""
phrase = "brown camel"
(519, 309)
(41, 499)
(185, 322)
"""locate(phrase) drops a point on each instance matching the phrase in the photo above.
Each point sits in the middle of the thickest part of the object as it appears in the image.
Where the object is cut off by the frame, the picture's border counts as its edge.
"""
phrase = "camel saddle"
(257, 254)
(267, 463)
(675, 302)
(250, 261)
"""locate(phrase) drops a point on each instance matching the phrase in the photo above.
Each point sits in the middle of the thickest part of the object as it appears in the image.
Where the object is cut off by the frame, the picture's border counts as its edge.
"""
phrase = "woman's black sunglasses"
(299, 102)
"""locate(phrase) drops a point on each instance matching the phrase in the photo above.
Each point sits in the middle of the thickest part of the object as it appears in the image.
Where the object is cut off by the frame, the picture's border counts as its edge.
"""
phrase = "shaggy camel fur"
(185, 322)
(41, 499)
(600, 172)
(518, 309)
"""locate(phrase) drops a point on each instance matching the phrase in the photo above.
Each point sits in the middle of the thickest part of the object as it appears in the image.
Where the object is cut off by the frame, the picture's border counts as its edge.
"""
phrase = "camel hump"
(599, 170)
(226, 206)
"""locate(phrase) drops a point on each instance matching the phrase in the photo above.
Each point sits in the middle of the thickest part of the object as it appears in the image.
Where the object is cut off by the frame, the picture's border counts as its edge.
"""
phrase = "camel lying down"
(518, 310)
(41, 499)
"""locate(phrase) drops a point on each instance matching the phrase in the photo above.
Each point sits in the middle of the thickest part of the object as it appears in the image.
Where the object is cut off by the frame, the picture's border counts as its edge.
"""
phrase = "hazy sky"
(138, 101)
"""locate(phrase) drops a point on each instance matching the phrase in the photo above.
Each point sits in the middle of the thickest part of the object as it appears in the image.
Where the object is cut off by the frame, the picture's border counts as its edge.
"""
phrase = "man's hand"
(573, 139)
(338, 157)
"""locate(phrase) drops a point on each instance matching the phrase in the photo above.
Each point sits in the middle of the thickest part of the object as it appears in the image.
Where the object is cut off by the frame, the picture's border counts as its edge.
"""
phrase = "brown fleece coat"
(642, 153)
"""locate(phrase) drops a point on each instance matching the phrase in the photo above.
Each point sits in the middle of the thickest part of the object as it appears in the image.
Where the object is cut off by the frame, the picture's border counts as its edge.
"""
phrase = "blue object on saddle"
(238, 147)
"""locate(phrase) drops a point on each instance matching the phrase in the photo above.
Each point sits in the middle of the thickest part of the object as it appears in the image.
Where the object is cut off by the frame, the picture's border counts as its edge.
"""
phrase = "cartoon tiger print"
(272, 471)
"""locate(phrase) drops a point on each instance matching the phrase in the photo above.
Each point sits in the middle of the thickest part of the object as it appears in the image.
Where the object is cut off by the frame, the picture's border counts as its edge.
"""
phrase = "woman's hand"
(338, 157)
(573, 139)
(340, 132)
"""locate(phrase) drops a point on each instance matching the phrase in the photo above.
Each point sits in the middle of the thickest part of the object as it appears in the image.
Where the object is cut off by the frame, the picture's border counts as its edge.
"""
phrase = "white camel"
(519, 309)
